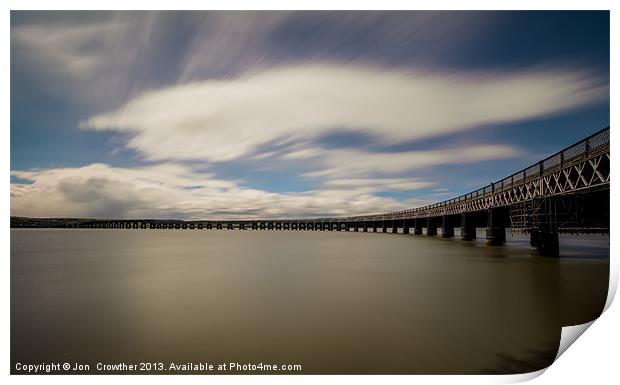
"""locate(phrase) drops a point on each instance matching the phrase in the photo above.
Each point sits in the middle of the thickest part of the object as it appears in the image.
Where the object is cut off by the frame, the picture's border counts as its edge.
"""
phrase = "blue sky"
(280, 114)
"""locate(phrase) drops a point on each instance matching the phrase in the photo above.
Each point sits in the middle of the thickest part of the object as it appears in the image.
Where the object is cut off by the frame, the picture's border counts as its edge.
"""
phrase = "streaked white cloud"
(303, 154)
(347, 163)
(383, 184)
(176, 191)
(221, 120)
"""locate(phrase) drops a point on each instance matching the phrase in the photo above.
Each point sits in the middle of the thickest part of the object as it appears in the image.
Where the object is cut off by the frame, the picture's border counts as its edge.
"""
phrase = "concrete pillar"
(417, 226)
(406, 225)
(496, 231)
(374, 226)
(468, 230)
(431, 228)
(230, 226)
(447, 230)
(394, 226)
(547, 243)
(383, 227)
(365, 227)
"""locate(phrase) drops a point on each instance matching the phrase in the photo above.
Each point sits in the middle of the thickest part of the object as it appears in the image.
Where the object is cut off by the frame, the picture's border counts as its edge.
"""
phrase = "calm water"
(334, 302)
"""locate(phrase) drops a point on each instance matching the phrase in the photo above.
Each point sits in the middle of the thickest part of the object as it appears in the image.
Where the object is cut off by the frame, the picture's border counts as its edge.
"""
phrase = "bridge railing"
(586, 148)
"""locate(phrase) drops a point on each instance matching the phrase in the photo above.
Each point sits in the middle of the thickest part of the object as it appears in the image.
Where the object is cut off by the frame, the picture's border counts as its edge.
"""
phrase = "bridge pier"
(496, 228)
(417, 226)
(468, 230)
(230, 226)
(447, 230)
(431, 228)
(394, 227)
(547, 243)
(406, 226)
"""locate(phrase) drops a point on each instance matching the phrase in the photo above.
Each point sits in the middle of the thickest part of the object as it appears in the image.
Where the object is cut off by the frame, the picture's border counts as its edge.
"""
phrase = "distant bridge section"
(566, 192)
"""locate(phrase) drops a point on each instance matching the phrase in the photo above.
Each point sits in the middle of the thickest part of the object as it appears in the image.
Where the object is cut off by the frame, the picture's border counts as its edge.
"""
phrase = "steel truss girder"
(587, 174)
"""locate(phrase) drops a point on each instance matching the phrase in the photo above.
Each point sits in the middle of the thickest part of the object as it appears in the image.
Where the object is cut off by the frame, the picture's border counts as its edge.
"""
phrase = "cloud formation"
(177, 191)
(347, 163)
(227, 119)
(272, 99)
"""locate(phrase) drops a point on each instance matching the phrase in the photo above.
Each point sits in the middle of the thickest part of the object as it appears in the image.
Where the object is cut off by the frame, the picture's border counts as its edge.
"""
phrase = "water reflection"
(334, 302)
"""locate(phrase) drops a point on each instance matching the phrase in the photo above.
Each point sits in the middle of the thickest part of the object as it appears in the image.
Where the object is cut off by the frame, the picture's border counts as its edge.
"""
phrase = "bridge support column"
(468, 230)
(547, 243)
(394, 227)
(417, 227)
(406, 225)
(447, 230)
(383, 227)
(496, 229)
(431, 228)
(356, 227)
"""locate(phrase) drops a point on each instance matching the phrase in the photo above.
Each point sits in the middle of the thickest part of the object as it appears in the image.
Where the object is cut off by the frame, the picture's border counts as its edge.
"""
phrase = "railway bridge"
(566, 192)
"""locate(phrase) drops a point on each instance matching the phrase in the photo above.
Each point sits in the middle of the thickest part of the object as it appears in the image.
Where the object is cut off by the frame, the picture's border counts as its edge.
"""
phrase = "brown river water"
(332, 302)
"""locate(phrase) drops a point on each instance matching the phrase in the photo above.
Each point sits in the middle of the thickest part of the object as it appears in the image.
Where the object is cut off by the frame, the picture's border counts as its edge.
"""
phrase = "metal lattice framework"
(582, 166)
